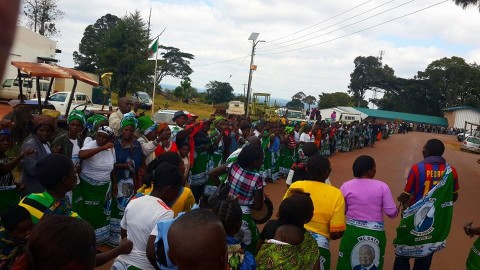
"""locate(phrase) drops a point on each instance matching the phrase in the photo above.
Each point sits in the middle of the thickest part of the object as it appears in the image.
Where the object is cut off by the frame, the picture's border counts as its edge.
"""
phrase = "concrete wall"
(450, 118)
(27, 46)
(466, 115)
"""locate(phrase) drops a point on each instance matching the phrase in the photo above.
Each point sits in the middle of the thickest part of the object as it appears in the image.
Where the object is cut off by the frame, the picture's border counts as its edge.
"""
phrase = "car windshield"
(60, 97)
(474, 140)
(295, 114)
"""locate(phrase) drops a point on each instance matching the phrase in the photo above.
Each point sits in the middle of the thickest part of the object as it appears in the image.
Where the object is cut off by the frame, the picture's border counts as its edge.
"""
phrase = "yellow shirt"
(183, 203)
(328, 207)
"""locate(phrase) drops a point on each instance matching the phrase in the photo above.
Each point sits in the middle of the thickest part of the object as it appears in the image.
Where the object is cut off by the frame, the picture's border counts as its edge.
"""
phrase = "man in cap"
(179, 132)
(124, 106)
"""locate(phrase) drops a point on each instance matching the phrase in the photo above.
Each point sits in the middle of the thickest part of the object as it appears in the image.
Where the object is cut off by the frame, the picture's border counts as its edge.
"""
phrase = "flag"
(425, 225)
(153, 49)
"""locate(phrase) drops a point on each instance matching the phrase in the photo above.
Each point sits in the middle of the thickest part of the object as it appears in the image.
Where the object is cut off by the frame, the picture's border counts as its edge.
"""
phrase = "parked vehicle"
(144, 98)
(461, 136)
(471, 143)
(165, 116)
(236, 107)
(80, 100)
(11, 90)
(292, 115)
(350, 117)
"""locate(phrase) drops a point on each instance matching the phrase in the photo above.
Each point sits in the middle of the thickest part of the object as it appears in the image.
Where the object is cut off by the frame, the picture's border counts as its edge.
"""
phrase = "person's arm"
(12, 164)
(88, 153)
(456, 186)
(215, 173)
(389, 207)
(258, 199)
(471, 231)
(338, 223)
(28, 162)
(123, 233)
(150, 251)
(125, 247)
(409, 189)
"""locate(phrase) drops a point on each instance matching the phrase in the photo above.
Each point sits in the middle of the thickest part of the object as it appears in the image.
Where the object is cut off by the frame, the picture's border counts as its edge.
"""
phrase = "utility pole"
(253, 37)
(375, 90)
(244, 89)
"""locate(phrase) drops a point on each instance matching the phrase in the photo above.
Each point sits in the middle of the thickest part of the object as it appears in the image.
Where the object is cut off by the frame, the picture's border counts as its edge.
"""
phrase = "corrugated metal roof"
(461, 108)
(408, 117)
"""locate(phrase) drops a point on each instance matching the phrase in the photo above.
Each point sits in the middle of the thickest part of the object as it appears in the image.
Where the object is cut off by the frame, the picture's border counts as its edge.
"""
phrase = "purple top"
(367, 200)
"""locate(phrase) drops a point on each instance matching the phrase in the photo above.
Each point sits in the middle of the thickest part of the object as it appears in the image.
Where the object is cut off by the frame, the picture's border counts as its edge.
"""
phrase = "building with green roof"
(465, 117)
(385, 116)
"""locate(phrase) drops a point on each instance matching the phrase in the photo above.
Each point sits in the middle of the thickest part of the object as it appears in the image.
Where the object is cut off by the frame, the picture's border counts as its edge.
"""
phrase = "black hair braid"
(230, 214)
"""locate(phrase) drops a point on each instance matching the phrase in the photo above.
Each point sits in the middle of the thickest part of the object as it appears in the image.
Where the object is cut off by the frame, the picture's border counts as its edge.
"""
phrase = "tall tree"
(300, 95)
(124, 52)
(174, 63)
(93, 40)
(219, 92)
(185, 91)
(368, 73)
(42, 15)
(309, 100)
(330, 100)
(466, 3)
(295, 104)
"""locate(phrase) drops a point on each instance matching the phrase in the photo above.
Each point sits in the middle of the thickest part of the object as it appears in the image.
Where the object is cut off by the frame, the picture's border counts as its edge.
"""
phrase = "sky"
(309, 45)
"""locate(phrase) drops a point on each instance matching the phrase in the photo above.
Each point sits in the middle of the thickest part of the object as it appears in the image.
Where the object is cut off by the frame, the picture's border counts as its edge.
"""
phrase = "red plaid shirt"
(243, 183)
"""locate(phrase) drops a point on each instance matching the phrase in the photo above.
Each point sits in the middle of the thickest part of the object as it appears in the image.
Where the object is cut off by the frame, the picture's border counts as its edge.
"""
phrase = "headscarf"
(5, 131)
(288, 130)
(161, 127)
(39, 119)
(146, 124)
(95, 119)
(106, 130)
(76, 115)
(217, 120)
(129, 120)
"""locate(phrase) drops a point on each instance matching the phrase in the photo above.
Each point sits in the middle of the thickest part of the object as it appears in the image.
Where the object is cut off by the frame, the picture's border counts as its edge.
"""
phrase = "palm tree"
(466, 3)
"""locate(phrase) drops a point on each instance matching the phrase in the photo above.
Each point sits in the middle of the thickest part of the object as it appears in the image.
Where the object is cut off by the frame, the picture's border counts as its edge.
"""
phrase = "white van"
(10, 89)
(350, 117)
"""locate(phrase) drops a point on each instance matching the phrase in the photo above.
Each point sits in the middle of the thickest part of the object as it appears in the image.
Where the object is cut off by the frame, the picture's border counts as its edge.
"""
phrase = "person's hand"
(27, 152)
(20, 187)
(467, 228)
(125, 246)
(56, 149)
(107, 146)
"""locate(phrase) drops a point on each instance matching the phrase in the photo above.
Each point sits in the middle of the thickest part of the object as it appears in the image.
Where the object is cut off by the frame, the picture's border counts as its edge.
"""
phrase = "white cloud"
(217, 30)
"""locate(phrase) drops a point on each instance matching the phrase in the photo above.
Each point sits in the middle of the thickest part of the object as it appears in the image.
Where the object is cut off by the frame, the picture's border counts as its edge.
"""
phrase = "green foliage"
(295, 104)
(86, 58)
(174, 63)
(300, 95)
(369, 73)
(330, 100)
(309, 100)
(41, 15)
(466, 3)
(185, 91)
(218, 92)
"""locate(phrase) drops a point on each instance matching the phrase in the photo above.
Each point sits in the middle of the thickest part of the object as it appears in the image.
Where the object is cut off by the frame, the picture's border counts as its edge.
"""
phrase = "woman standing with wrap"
(366, 201)
(128, 153)
(93, 195)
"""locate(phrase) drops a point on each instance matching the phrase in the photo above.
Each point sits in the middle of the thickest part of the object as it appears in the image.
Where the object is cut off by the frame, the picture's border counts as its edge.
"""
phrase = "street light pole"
(253, 37)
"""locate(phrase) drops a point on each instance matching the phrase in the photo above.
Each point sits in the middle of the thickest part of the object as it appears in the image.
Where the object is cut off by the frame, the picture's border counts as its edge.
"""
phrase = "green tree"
(330, 100)
(42, 15)
(368, 73)
(218, 92)
(309, 100)
(295, 104)
(174, 63)
(185, 91)
(86, 58)
(300, 95)
(466, 3)
(124, 52)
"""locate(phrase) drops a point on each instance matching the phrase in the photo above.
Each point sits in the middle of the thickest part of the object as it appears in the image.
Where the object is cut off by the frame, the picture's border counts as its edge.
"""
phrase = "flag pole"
(154, 81)
(155, 76)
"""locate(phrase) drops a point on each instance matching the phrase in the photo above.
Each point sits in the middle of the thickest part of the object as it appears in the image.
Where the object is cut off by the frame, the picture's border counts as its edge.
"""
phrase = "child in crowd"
(184, 151)
(16, 228)
(288, 245)
(8, 189)
(197, 240)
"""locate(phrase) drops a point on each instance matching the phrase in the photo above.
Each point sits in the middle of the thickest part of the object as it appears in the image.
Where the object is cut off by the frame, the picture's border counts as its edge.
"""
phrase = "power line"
(304, 29)
(236, 69)
(359, 31)
(343, 27)
(220, 62)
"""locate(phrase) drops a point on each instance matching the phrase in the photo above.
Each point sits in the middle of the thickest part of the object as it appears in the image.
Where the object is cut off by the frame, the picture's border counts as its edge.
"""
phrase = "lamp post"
(253, 37)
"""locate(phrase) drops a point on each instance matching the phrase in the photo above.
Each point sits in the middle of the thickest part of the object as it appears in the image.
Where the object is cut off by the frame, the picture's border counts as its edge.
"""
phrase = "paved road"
(393, 158)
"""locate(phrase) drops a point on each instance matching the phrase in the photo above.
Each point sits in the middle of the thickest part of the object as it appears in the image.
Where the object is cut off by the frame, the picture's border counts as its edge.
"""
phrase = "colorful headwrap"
(5, 131)
(217, 120)
(146, 124)
(161, 127)
(76, 115)
(129, 120)
(106, 130)
(288, 130)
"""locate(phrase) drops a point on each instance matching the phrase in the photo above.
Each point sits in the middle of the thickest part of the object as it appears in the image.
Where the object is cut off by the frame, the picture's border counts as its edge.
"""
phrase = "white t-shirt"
(99, 166)
(297, 136)
(305, 137)
(141, 215)
(75, 150)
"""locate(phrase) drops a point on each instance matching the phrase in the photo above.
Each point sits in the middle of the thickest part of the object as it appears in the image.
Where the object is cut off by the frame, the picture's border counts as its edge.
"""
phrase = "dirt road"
(393, 158)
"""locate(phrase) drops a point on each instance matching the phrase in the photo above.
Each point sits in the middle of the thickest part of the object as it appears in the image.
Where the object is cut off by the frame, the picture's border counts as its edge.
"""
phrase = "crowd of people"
(146, 188)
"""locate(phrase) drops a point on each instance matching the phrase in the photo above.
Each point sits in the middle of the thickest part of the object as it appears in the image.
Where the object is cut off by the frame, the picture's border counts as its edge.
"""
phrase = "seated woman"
(288, 245)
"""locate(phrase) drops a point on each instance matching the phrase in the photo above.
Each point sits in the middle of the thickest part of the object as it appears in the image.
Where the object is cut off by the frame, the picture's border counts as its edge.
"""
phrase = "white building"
(457, 117)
